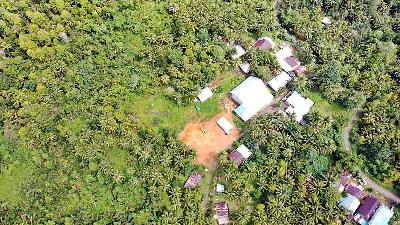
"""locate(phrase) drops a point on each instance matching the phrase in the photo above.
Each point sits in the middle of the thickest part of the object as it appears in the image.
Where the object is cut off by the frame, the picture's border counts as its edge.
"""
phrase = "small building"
(287, 61)
(366, 210)
(356, 191)
(292, 62)
(298, 106)
(240, 154)
(225, 125)
(350, 202)
(239, 52)
(222, 212)
(252, 95)
(299, 70)
(205, 94)
(279, 81)
(285, 51)
(245, 67)
(326, 21)
(220, 188)
(344, 181)
(382, 216)
(264, 43)
(193, 180)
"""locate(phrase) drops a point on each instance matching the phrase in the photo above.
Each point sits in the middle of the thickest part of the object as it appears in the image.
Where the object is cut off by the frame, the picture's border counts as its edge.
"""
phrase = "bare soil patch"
(208, 139)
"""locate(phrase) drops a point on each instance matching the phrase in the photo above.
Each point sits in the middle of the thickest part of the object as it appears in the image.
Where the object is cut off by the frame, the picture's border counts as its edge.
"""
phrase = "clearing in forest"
(208, 139)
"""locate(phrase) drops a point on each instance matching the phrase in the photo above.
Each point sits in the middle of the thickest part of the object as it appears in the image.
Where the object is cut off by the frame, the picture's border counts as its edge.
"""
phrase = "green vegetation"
(323, 106)
(15, 169)
(93, 94)
(287, 172)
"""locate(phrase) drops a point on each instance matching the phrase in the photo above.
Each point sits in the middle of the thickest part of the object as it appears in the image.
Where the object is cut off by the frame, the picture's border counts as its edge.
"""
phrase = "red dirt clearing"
(208, 139)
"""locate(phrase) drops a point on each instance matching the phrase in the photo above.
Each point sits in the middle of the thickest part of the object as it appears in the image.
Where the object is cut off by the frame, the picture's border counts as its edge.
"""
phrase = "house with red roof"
(355, 190)
(264, 43)
(366, 210)
(193, 180)
(222, 212)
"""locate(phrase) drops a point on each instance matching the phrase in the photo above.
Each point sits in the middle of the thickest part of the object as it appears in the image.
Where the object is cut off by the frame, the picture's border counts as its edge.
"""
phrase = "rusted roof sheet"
(193, 180)
(222, 211)
(367, 209)
(236, 156)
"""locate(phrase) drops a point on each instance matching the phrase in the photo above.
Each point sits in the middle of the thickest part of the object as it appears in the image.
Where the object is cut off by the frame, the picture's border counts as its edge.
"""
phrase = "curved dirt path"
(376, 187)
(346, 132)
(346, 143)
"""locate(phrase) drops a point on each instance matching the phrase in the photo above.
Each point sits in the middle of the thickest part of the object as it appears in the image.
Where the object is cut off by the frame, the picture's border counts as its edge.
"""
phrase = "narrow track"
(368, 182)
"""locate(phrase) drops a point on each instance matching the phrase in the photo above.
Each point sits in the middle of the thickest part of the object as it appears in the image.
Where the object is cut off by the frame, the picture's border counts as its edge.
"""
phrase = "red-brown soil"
(208, 139)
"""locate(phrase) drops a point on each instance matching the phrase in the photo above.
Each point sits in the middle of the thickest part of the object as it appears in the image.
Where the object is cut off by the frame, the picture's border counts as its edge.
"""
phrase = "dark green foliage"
(74, 76)
(289, 172)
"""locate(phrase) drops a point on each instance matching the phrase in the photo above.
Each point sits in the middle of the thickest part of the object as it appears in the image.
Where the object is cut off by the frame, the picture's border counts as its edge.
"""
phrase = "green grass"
(323, 106)
(157, 111)
(118, 158)
(12, 180)
(15, 170)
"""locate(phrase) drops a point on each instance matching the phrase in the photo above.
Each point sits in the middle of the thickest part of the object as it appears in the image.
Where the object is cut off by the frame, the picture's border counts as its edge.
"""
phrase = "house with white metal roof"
(298, 106)
(279, 81)
(382, 216)
(350, 202)
(326, 21)
(239, 52)
(252, 95)
(225, 125)
(245, 67)
(205, 94)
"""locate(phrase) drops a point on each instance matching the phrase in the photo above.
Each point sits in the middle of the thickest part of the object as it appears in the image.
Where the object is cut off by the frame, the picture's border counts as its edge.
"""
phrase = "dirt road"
(346, 132)
(376, 187)
(368, 182)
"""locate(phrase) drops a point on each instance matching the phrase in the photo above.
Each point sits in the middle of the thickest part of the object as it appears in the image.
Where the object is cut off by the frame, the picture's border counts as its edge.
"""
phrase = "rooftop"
(193, 180)
(222, 212)
(382, 216)
(299, 106)
(279, 81)
(264, 43)
(350, 202)
(367, 209)
(252, 95)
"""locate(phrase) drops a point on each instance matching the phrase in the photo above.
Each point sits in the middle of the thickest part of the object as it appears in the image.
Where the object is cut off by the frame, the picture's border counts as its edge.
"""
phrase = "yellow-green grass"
(323, 106)
(118, 158)
(12, 180)
(158, 111)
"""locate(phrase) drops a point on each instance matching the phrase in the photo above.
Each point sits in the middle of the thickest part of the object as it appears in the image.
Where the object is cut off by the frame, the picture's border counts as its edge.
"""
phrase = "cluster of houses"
(251, 96)
(365, 210)
(238, 155)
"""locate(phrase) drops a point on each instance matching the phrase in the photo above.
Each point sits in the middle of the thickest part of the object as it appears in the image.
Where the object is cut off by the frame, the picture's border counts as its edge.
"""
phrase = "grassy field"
(323, 106)
(118, 158)
(12, 180)
(157, 111)
(13, 175)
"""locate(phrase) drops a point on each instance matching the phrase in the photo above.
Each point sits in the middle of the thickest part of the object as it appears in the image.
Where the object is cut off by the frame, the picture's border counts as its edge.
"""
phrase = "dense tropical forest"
(93, 95)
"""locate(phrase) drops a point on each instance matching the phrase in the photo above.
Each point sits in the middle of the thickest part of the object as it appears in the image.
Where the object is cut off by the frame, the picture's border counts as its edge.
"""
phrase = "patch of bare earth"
(208, 139)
